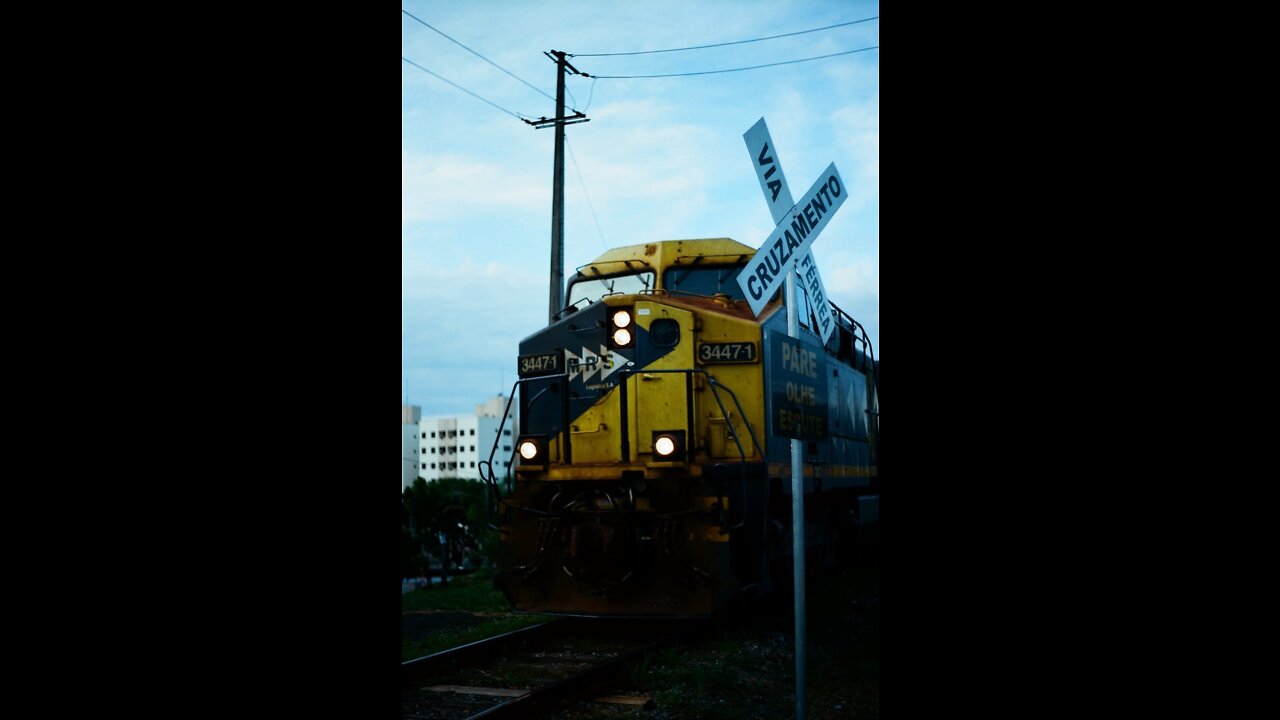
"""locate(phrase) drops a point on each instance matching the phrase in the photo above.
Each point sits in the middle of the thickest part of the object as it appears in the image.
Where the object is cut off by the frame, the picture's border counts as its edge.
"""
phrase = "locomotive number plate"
(734, 352)
(545, 364)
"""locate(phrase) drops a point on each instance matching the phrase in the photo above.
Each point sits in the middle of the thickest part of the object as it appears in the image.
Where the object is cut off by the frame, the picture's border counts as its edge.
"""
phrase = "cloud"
(660, 159)
(444, 187)
(856, 279)
(857, 129)
(462, 324)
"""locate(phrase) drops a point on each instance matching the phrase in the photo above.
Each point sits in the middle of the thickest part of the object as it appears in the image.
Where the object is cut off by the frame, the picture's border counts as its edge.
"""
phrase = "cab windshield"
(704, 280)
(594, 289)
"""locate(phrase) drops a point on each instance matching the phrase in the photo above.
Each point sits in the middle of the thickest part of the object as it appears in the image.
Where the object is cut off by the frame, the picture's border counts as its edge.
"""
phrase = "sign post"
(796, 226)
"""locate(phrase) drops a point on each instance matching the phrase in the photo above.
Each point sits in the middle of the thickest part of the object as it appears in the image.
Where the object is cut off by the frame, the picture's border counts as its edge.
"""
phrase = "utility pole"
(556, 301)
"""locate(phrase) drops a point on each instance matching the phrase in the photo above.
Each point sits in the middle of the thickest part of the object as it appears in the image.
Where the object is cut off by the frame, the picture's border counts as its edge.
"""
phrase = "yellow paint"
(659, 398)
(661, 255)
(657, 401)
(708, 533)
(601, 444)
(745, 380)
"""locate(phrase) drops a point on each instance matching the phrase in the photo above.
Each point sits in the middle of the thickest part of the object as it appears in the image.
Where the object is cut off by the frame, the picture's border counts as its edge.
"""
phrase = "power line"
(713, 72)
(518, 116)
(473, 52)
(590, 95)
(735, 42)
(584, 194)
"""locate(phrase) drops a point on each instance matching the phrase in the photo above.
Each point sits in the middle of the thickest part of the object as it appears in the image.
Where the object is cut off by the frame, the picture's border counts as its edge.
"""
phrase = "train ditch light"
(668, 445)
(533, 452)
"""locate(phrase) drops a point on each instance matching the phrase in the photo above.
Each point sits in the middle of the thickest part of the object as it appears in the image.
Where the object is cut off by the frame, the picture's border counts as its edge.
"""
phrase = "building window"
(473, 464)
(506, 464)
(433, 466)
(433, 433)
(473, 448)
(506, 432)
(424, 434)
(473, 431)
(506, 448)
(424, 466)
(433, 451)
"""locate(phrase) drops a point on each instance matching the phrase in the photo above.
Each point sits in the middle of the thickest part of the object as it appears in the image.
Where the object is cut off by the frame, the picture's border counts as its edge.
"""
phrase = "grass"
(465, 593)
(453, 637)
(717, 681)
(472, 593)
(746, 669)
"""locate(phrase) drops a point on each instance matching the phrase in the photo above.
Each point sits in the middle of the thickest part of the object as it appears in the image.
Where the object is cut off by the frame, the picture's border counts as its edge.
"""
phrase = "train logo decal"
(606, 363)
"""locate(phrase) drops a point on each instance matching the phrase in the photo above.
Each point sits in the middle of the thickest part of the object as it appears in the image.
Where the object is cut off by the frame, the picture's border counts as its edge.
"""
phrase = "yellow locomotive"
(651, 474)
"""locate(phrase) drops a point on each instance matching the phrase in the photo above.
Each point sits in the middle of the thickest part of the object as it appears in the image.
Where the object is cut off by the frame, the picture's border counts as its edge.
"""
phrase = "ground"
(743, 669)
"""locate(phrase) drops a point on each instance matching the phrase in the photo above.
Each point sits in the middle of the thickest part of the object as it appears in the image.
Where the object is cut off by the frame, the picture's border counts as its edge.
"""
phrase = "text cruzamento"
(792, 237)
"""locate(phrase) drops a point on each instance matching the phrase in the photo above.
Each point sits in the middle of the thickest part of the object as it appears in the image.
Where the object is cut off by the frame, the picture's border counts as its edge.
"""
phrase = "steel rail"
(414, 672)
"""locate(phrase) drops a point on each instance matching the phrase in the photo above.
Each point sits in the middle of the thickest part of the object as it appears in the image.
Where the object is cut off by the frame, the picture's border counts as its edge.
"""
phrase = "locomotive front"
(631, 457)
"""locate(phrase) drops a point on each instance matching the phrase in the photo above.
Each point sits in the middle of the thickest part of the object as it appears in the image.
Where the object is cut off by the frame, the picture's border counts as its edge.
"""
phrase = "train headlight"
(668, 445)
(528, 450)
(621, 322)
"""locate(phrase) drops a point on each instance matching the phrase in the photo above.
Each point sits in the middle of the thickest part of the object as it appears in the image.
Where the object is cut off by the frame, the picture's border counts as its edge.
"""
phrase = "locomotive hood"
(581, 346)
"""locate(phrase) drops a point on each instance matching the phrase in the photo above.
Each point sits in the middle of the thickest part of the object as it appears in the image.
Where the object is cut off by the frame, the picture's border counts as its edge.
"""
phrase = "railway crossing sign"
(784, 252)
(796, 226)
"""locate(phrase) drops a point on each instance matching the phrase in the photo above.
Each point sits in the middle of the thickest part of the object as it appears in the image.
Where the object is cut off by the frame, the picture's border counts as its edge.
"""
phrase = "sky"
(660, 159)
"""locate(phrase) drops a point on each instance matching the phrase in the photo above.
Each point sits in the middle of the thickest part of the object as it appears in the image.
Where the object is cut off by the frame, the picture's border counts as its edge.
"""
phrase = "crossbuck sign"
(797, 225)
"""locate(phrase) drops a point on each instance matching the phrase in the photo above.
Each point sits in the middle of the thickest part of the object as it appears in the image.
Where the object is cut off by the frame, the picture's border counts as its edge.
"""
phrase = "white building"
(410, 415)
(454, 445)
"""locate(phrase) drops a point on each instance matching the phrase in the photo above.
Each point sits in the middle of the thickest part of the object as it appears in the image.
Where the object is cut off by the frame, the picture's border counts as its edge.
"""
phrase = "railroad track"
(528, 672)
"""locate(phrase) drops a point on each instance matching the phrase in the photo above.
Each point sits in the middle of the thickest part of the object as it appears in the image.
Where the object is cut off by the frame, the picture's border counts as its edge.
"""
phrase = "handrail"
(490, 478)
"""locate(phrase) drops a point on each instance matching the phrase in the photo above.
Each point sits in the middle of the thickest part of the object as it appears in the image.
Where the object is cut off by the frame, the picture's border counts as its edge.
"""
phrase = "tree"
(454, 508)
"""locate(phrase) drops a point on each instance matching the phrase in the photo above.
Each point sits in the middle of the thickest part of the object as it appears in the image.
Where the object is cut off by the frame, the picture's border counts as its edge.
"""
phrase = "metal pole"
(797, 522)
(557, 199)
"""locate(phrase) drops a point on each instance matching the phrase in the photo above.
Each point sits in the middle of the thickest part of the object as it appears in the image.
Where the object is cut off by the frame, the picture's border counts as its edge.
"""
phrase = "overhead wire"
(482, 57)
(729, 70)
(518, 116)
(584, 192)
(590, 95)
(735, 42)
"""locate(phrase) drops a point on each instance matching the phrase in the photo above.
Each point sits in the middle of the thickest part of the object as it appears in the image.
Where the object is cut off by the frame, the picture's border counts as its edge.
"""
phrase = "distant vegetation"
(445, 523)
